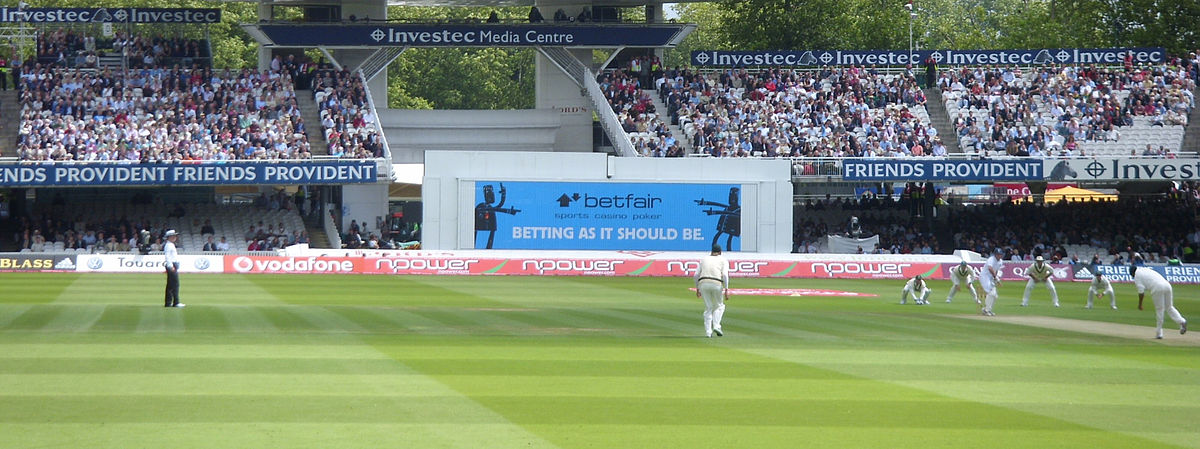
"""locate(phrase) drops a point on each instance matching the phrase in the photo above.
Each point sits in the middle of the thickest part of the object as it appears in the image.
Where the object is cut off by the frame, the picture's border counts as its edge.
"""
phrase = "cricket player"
(1040, 272)
(1101, 287)
(960, 275)
(712, 284)
(1149, 281)
(918, 288)
(989, 279)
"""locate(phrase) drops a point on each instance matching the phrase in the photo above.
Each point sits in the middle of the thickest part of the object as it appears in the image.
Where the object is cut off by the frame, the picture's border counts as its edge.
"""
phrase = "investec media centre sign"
(481, 35)
(942, 57)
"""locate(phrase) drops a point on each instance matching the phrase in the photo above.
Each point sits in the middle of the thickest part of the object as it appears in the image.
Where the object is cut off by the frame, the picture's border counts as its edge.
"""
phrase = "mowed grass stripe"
(182, 363)
(34, 288)
(10, 312)
(227, 408)
(253, 434)
(102, 386)
(685, 436)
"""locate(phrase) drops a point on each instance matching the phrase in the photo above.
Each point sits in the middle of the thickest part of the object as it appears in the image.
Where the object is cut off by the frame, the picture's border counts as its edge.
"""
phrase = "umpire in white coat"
(171, 263)
(712, 284)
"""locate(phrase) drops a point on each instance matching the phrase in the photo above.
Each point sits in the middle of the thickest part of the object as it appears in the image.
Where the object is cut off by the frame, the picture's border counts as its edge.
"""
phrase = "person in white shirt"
(918, 288)
(1040, 272)
(712, 284)
(1149, 281)
(989, 279)
(171, 262)
(962, 275)
(1101, 287)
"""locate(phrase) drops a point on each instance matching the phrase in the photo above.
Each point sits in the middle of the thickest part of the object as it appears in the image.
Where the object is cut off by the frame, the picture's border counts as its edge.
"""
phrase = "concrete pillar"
(555, 90)
(264, 54)
(351, 59)
(364, 203)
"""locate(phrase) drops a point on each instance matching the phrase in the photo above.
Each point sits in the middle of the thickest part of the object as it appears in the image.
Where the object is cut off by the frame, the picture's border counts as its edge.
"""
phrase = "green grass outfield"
(257, 361)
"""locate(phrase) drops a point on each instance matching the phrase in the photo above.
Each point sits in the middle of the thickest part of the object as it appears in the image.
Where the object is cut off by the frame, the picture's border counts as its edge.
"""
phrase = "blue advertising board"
(465, 35)
(227, 173)
(1109, 56)
(1175, 274)
(607, 216)
(110, 15)
(941, 170)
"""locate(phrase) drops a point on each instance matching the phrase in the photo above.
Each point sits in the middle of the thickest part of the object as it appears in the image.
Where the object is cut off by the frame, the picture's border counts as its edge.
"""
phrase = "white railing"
(331, 230)
(608, 118)
(387, 150)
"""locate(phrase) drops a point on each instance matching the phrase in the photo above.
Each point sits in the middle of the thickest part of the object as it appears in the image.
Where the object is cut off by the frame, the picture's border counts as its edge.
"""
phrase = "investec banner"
(941, 170)
(1122, 169)
(110, 15)
(482, 35)
(105, 174)
(943, 57)
(606, 216)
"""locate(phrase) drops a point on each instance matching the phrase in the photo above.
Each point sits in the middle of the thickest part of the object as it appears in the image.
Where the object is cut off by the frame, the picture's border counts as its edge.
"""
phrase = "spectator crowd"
(1052, 110)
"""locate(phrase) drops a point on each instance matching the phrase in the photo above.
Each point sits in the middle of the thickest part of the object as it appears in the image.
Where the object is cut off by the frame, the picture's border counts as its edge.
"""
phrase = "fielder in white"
(1040, 272)
(1149, 281)
(918, 288)
(712, 284)
(1099, 288)
(960, 275)
(989, 279)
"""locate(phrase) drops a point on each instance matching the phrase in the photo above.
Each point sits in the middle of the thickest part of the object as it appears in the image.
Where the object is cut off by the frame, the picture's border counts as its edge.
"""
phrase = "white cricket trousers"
(1092, 294)
(958, 285)
(713, 293)
(1165, 302)
(1049, 285)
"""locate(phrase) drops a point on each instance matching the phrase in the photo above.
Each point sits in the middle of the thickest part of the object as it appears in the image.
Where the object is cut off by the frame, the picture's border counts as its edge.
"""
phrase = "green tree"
(461, 78)
(708, 35)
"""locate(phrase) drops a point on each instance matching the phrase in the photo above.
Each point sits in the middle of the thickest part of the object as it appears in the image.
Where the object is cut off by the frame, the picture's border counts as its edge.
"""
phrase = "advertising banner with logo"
(222, 173)
(30, 262)
(941, 170)
(943, 57)
(611, 264)
(110, 15)
(1175, 274)
(1122, 169)
(1021, 190)
(1014, 271)
(136, 263)
(467, 35)
(607, 216)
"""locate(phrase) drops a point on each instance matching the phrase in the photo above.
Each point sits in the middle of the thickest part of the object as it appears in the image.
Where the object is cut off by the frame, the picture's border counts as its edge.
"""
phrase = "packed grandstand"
(165, 103)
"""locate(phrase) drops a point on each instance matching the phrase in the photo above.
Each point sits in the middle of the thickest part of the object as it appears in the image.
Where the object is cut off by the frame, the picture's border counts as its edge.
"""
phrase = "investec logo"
(1162, 169)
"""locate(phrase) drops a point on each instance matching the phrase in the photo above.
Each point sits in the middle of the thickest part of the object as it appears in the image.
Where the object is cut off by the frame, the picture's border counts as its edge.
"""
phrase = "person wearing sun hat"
(171, 262)
(1040, 272)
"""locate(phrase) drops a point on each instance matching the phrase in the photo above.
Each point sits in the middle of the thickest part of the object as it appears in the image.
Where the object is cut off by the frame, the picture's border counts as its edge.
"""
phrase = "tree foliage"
(461, 78)
(955, 24)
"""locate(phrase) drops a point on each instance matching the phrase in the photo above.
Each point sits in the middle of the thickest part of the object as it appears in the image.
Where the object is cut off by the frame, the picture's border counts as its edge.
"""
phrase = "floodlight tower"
(912, 14)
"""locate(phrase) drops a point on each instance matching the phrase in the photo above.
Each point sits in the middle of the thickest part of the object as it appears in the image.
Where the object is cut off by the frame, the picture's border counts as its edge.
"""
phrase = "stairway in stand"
(940, 119)
(10, 111)
(1191, 135)
(312, 122)
(676, 132)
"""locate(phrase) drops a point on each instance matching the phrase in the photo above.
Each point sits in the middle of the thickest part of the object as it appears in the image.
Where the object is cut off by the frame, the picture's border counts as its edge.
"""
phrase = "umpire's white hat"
(170, 232)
